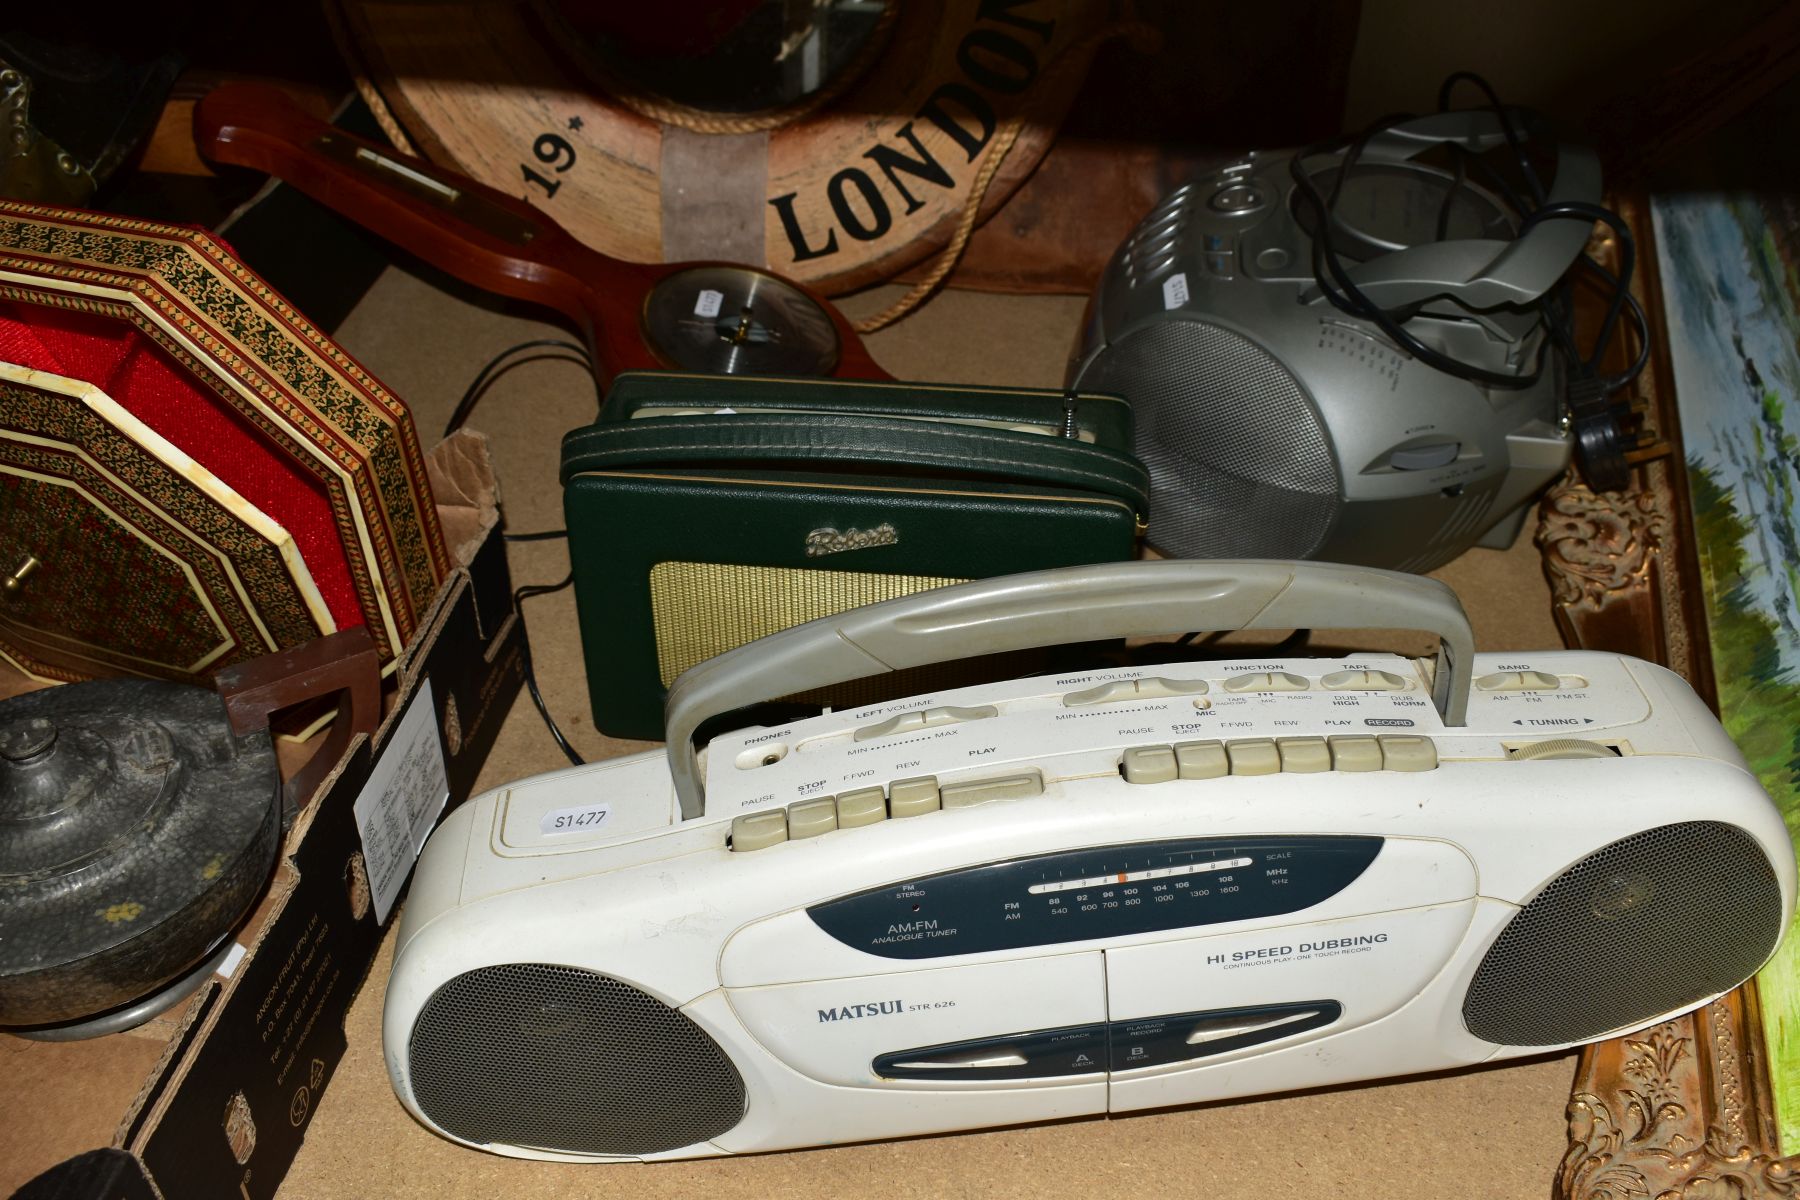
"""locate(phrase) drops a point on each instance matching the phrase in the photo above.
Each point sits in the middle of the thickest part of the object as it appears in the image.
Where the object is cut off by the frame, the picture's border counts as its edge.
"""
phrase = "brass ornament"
(1596, 545)
(1672, 1122)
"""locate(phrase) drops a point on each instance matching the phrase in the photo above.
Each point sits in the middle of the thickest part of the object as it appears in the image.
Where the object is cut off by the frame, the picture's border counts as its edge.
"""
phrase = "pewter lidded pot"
(135, 832)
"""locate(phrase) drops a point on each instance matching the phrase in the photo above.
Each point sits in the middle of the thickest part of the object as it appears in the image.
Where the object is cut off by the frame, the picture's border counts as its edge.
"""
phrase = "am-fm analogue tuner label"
(1108, 891)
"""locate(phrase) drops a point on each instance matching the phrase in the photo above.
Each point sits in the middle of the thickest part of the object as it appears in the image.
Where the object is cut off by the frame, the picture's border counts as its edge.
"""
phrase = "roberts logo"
(821, 542)
(850, 1012)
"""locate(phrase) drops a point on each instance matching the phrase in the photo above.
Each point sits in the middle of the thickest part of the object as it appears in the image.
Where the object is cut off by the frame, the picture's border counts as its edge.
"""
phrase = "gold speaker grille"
(704, 609)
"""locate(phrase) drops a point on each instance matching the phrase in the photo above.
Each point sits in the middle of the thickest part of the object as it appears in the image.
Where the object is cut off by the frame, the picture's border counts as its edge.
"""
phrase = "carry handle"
(1483, 273)
(832, 439)
(1073, 604)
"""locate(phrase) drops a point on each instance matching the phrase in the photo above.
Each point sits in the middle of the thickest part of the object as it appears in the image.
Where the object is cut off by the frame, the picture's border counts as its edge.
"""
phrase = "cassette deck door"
(1036, 1021)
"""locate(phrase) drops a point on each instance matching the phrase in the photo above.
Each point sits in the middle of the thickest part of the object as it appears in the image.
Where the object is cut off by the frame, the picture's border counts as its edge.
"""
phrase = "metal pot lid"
(135, 830)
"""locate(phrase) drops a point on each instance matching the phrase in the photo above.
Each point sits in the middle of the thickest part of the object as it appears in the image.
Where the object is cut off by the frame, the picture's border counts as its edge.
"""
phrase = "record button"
(1407, 752)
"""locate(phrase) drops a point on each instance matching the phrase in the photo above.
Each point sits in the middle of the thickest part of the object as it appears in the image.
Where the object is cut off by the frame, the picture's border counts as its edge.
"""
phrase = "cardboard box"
(214, 1099)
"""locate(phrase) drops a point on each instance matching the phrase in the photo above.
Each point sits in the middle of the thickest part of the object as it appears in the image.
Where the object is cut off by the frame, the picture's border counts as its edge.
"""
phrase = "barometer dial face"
(738, 321)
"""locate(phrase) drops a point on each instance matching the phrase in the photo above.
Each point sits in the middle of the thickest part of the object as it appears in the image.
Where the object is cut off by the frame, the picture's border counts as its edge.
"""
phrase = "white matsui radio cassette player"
(1061, 896)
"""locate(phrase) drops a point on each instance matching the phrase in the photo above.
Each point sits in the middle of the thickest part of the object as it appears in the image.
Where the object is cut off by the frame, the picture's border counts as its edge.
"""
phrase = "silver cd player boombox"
(1276, 424)
(1115, 890)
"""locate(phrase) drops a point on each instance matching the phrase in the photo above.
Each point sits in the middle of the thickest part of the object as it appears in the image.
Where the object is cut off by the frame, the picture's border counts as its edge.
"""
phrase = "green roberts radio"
(705, 511)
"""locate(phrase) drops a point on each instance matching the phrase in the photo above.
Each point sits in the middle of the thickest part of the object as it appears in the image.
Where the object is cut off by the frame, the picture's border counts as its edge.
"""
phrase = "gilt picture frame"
(1689, 1107)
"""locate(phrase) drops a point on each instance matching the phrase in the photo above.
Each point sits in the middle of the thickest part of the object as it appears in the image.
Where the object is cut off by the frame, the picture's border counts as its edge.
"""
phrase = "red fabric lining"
(147, 383)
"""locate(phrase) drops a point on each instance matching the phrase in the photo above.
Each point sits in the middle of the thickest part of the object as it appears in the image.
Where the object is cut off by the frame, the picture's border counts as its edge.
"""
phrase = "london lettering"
(998, 61)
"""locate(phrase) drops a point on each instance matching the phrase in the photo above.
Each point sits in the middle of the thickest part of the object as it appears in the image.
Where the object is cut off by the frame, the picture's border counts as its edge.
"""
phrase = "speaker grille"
(1651, 924)
(704, 609)
(1241, 464)
(562, 1059)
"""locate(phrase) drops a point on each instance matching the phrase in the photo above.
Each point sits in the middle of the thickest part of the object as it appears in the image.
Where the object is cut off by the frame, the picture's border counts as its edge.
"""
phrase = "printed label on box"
(400, 803)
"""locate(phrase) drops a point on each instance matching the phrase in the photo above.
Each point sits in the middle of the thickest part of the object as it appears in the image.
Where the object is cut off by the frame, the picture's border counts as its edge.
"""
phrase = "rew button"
(910, 797)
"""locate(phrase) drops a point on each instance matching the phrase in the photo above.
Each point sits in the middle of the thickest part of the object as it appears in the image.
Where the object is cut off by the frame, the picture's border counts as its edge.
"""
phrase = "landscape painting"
(1729, 260)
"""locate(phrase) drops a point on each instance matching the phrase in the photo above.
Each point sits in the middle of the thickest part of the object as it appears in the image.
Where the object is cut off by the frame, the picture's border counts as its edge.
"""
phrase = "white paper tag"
(228, 967)
(583, 818)
(401, 802)
(1175, 290)
(708, 303)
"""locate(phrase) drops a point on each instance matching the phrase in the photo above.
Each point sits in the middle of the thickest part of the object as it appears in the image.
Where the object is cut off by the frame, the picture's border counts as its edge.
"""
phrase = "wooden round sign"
(848, 191)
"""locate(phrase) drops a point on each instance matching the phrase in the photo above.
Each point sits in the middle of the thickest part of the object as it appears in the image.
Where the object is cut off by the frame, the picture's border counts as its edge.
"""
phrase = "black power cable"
(1342, 291)
(495, 367)
(1527, 203)
(531, 685)
(542, 535)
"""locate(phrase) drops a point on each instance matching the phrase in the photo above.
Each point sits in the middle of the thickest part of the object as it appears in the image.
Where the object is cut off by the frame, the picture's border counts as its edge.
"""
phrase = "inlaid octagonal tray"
(318, 515)
(125, 555)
